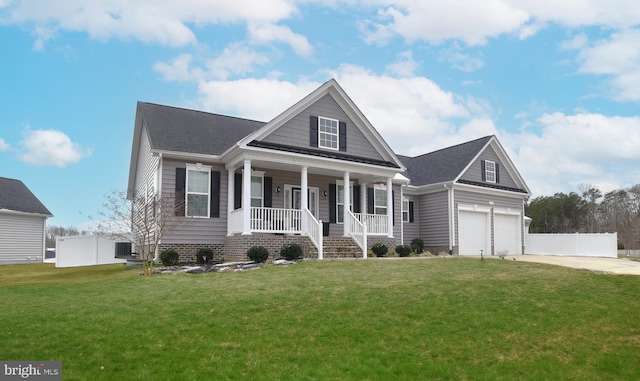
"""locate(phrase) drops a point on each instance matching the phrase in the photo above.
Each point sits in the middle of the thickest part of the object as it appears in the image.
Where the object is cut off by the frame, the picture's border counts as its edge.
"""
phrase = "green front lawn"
(389, 319)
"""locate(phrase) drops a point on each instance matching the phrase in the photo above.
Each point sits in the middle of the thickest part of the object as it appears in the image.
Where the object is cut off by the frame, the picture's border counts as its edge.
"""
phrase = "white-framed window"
(327, 133)
(380, 199)
(405, 209)
(340, 200)
(257, 186)
(490, 171)
(198, 190)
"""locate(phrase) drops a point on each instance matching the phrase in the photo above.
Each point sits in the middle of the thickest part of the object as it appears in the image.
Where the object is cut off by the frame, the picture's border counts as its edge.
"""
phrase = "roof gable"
(444, 165)
(296, 120)
(15, 196)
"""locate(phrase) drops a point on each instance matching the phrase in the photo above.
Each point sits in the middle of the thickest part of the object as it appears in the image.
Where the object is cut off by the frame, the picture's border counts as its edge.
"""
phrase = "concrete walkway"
(604, 265)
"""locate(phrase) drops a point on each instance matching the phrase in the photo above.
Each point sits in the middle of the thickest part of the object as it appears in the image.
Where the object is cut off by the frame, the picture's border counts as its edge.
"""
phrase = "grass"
(400, 319)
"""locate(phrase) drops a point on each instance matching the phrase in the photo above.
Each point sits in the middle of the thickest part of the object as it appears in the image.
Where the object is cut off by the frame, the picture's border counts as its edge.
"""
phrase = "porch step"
(340, 247)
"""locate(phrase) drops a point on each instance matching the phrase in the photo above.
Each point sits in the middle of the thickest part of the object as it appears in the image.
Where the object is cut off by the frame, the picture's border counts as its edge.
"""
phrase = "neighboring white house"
(22, 223)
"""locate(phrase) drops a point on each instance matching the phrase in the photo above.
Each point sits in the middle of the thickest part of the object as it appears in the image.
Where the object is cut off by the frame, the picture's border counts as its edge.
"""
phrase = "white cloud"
(404, 66)
(179, 69)
(616, 57)
(4, 146)
(51, 147)
(460, 61)
(570, 150)
(42, 34)
(266, 33)
(235, 59)
(167, 22)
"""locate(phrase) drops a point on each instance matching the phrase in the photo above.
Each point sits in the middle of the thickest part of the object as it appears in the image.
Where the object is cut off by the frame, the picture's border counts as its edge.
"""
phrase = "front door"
(293, 199)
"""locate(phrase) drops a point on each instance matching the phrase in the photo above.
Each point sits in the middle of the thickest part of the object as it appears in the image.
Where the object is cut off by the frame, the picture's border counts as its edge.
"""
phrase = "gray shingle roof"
(442, 165)
(182, 130)
(14, 195)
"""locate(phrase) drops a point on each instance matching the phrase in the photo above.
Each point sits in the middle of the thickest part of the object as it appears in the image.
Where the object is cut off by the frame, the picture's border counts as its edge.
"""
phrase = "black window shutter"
(332, 203)
(483, 170)
(497, 173)
(181, 178)
(313, 128)
(237, 191)
(370, 200)
(393, 206)
(356, 199)
(268, 184)
(342, 136)
(214, 208)
(410, 211)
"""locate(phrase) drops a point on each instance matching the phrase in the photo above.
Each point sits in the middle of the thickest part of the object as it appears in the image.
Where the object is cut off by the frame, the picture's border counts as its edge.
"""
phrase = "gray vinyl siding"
(295, 132)
(411, 229)
(433, 212)
(196, 230)
(147, 166)
(21, 238)
(474, 173)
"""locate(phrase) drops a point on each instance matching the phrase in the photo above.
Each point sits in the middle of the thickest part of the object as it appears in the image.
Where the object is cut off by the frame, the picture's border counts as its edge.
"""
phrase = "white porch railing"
(314, 228)
(275, 220)
(358, 232)
(376, 224)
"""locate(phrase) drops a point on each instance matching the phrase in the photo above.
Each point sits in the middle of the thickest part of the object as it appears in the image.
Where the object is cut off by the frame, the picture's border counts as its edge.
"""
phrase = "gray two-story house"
(321, 175)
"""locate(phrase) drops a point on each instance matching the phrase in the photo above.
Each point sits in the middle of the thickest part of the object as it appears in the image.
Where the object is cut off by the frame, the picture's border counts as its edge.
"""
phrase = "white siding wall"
(147, 166)
(21, 238)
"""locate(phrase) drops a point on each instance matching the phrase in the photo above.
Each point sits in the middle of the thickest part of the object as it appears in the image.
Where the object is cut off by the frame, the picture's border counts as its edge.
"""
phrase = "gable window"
(380, 199)
(327, 133)
(490, 171)
(197, 192)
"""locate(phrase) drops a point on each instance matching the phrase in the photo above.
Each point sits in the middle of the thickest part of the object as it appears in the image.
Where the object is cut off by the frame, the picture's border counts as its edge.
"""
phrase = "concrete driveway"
(604, 265)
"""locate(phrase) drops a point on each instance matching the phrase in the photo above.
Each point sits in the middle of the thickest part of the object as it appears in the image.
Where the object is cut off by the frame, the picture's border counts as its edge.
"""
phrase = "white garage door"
(506, 234)
(473, 233)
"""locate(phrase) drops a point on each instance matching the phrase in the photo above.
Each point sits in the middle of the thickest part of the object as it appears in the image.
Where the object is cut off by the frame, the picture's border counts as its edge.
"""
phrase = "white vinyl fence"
(86, 250)
(576, 245)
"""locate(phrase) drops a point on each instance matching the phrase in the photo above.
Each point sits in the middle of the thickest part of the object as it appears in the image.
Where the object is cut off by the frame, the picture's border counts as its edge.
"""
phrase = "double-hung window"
(490, 171)
(405, 209)
(198, 190)
(380, 199)
(327, 133)
(340, 201)
(257, 181)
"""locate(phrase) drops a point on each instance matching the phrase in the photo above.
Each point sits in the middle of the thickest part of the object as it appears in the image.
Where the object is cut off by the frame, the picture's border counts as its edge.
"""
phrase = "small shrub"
(258, 254)
(370, 254)
(380, 249)
(620, 246)
(417, 245)
(403, 250)
(204, 256)
(427, 253)
(291, 251)
(169, 257)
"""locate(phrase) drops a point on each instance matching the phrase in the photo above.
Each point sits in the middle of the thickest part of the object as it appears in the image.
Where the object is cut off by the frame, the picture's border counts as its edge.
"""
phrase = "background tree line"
(589, 211)
(60, 231)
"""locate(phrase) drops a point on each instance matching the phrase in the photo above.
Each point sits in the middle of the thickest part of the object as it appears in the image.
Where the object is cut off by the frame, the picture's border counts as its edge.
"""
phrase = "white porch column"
(304, 199)
(230, 199)
(246, 198)
(347, 202)
(390, 210)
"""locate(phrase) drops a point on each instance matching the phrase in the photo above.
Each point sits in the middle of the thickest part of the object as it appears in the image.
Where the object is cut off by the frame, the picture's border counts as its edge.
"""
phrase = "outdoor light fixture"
(324, 193)
(277, 189)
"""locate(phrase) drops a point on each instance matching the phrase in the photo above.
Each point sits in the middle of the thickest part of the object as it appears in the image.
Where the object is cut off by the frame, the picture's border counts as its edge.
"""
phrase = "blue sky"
(557, 82)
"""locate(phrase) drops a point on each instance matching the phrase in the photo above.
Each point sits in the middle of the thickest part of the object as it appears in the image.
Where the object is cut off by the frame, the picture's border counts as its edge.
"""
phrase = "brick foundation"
(236, 246)
(188, 251)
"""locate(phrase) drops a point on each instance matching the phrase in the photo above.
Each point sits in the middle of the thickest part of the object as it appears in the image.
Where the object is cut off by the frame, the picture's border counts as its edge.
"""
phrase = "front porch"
(269, 224)
(282, 199)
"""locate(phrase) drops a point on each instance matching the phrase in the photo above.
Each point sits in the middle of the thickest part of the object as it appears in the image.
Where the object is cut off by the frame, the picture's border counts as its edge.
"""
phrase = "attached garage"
(507, 233)
(474, 228)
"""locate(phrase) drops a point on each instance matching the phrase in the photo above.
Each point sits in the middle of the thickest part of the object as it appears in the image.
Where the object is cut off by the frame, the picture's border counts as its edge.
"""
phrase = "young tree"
(143, 220)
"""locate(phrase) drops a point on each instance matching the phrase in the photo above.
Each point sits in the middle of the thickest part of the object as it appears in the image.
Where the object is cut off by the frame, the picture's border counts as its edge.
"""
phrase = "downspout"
(451, 217)
(401, 214)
